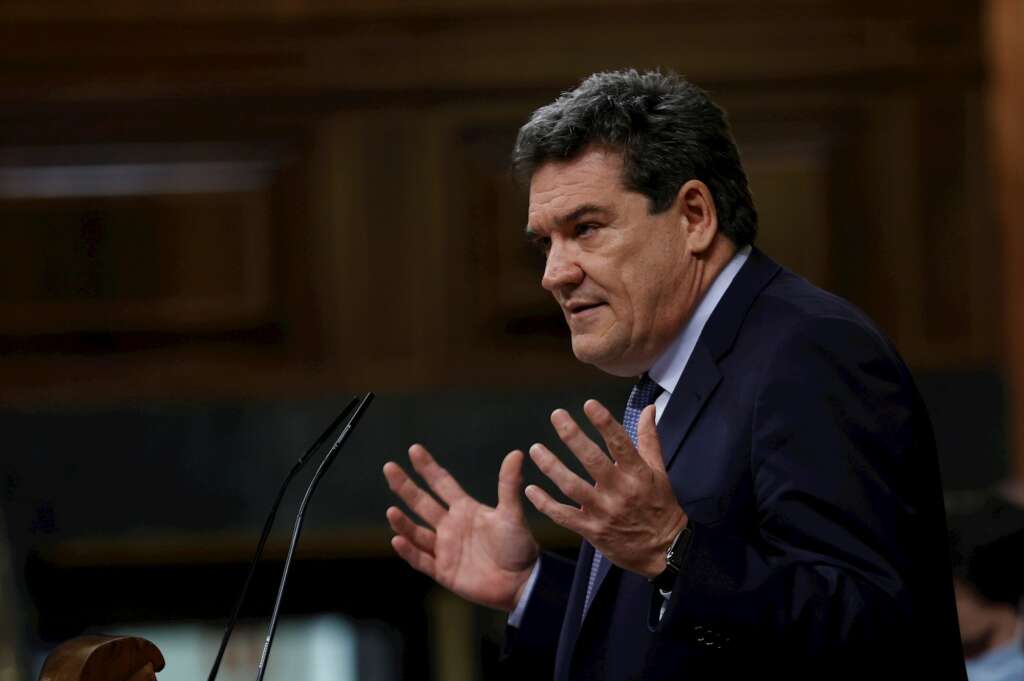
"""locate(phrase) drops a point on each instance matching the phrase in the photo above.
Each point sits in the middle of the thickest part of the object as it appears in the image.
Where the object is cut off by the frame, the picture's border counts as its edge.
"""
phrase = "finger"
(421, 537)
(615, 436)
(439, 479)
(421, 503)
(572, 485)
(586, 450)
(510, 482)
(418, 559)
(647, 437)
(567, 516)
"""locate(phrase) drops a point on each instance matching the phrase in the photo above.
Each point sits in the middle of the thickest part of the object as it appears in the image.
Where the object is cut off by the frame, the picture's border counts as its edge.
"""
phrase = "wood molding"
(439, 47)
(218, 11)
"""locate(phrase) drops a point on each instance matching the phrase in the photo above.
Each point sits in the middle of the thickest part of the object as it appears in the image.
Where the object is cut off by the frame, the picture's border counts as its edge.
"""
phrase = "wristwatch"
(673, 561)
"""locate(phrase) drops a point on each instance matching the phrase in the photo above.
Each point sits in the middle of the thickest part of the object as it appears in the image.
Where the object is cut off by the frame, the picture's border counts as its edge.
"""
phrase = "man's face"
(624, 278)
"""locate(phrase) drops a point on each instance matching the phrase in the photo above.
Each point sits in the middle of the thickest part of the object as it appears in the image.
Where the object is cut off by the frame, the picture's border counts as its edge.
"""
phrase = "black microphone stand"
(267, 526)
(321, 469)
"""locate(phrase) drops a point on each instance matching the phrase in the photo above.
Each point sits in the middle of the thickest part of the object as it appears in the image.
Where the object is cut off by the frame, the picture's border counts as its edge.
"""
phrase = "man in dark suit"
(771, 500)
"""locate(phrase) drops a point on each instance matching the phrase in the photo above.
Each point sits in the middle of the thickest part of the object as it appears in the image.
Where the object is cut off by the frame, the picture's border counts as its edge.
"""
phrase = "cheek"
(622, 296)
(641, 294)
(633, 287)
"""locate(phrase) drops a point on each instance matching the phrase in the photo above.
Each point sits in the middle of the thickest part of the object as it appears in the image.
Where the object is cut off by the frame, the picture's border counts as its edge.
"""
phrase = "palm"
(481, 553)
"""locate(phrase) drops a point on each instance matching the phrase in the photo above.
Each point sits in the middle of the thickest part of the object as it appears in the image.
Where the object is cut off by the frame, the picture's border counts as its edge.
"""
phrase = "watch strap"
(674, 558)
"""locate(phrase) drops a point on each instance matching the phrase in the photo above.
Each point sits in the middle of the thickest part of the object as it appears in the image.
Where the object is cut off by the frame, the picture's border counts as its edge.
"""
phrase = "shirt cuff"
(665, 595)
(516, 616)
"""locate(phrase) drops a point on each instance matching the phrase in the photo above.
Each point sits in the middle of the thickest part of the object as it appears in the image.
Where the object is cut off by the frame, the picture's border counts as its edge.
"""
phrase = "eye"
(541, 243)
(584, 228)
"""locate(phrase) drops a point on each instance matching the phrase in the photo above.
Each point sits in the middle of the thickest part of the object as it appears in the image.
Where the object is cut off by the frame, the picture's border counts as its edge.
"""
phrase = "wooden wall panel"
(389, 229)
(790, 186)
(509, 306)
(135, 264)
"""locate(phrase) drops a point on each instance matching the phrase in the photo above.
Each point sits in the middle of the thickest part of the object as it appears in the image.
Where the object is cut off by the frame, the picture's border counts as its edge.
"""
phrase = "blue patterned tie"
(644, 393)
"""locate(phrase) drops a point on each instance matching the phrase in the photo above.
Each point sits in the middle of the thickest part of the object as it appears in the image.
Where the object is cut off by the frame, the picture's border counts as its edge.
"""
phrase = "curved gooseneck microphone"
(268, 525)
(321, 469)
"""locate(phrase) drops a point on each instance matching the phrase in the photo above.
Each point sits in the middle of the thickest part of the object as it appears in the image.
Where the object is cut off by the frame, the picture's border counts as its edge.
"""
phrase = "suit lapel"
(701, 375)
(699, 380)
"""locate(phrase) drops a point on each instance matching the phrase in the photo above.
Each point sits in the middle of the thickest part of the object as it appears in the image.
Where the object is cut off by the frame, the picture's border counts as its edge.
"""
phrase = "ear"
(698, 216)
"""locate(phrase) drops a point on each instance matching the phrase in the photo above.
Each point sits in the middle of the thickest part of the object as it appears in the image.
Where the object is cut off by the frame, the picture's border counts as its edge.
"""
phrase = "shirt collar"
(669, 367)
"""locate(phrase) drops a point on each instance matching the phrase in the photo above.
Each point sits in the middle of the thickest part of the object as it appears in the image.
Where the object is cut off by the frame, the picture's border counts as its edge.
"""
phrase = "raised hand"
(631, 513)
(481, 553)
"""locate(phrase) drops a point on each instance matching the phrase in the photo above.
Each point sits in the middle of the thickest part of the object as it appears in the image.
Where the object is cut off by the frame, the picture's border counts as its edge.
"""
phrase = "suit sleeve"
(823, 573)
(532, 645)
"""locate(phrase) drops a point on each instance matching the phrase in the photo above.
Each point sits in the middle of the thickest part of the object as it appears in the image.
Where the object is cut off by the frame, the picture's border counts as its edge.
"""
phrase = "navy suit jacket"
(799, 447)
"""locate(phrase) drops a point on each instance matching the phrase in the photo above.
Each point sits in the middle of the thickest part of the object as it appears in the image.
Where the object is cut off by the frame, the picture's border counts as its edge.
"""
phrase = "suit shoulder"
(791, 312)
(791, 301)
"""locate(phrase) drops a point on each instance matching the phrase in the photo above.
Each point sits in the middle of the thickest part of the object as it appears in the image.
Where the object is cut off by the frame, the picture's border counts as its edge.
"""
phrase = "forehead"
(593, 177)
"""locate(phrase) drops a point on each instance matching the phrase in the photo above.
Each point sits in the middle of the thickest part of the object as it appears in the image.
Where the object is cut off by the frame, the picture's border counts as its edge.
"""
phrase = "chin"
(601, 355)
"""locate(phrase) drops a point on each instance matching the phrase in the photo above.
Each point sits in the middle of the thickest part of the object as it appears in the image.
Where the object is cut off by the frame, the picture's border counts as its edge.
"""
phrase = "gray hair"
(667, 130)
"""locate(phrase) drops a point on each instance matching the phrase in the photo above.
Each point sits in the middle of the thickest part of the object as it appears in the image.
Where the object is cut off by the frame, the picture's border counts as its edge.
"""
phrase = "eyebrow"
(574, 215)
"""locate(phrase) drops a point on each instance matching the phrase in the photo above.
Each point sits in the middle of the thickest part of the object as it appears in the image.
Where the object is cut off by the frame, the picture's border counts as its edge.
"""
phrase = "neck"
(712, 262)
(707, 267)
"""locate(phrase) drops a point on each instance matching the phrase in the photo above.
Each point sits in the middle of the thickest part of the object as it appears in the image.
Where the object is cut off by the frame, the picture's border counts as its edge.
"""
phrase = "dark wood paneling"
(116, 53)
(385, 248)
(140, 263)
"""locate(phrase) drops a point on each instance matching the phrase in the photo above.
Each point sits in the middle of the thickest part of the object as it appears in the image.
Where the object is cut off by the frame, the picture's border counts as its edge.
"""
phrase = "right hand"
(483, 554)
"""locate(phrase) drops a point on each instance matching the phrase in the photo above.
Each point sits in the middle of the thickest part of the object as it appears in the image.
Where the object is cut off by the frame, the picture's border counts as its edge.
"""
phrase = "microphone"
(266, 531)
(321, 469)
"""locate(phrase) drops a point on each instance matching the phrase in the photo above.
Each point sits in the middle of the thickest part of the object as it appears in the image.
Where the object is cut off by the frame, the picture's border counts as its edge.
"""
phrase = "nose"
(561, 268)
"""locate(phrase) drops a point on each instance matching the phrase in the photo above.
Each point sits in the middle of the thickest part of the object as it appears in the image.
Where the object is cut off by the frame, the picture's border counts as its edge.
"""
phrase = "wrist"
(525, 578)
(658, 561)
(675, 556)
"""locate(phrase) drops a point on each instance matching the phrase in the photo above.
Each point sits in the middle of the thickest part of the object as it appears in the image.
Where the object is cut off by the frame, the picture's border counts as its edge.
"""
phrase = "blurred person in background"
(986, 532)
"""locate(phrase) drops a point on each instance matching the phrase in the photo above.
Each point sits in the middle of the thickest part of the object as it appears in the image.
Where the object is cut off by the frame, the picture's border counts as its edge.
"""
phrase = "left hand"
(630, 514)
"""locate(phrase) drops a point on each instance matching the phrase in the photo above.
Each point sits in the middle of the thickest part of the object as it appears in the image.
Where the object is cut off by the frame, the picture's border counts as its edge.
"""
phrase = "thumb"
(510, 483)
(647, 439)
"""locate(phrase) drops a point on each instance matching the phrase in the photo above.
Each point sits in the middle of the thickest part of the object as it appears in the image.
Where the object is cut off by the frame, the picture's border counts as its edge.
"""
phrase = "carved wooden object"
(103, 658)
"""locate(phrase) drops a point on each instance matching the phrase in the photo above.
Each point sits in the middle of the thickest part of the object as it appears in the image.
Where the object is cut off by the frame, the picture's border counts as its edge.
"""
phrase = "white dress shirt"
(666, 372)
